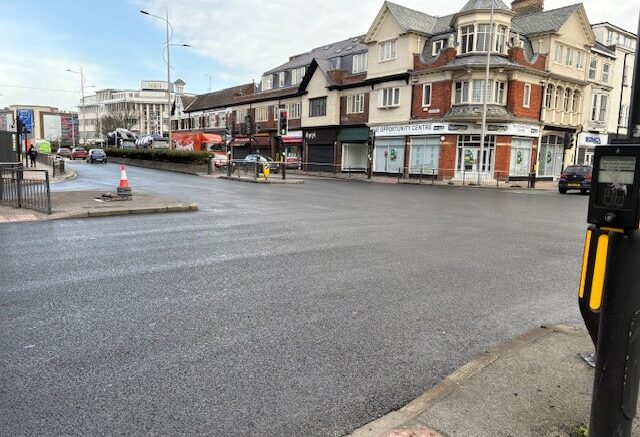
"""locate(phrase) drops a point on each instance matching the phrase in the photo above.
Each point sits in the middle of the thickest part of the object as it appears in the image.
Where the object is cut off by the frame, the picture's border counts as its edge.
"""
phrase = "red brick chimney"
(522, 7)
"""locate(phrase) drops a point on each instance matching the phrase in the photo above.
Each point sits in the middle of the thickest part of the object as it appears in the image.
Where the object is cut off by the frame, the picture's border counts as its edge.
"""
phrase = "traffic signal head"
(283, 123)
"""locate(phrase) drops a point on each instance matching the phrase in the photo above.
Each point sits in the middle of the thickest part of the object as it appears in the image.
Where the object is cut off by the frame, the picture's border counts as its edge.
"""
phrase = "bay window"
(466, 39)
(483, 40)
(473, 91)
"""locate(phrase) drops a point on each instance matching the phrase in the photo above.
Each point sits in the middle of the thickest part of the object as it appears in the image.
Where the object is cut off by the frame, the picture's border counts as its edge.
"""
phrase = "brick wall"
(515, 100)
(440, 100)
(503, 157)
(446, 56)
(349, 119)
(447, 159)
(516, 54)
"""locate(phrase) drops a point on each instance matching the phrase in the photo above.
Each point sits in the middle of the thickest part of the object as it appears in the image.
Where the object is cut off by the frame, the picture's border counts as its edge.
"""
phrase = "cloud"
(248, 37)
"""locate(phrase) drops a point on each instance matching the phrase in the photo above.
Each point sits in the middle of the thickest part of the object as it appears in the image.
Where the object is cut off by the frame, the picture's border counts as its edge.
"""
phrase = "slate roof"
(219, 99)
(602, 48)
(480, 60)
(473, 5)
(412, 20)
(351, 45)
(543, 22)
(467, 112)
(187, 100)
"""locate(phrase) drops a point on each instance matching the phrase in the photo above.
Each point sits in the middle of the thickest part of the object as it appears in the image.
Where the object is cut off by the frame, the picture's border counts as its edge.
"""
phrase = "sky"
(233, 41)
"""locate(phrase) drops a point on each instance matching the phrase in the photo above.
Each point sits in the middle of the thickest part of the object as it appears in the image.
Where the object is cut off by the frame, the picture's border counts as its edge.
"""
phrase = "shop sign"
(589, 139)
(522, 130)
(320, 136)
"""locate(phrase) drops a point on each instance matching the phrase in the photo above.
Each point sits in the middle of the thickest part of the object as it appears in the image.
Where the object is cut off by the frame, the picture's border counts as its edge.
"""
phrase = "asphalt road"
(275, 310)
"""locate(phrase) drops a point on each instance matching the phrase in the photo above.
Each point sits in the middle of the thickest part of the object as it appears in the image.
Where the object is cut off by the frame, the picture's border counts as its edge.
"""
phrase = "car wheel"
(562, 190)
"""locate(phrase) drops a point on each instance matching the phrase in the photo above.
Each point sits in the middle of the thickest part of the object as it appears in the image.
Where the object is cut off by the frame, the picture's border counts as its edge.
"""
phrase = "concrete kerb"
(125, 211)
(274, 181)
(454, 381)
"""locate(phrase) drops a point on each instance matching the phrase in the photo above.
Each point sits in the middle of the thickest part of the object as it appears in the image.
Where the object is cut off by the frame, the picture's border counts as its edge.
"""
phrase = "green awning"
(358, 134)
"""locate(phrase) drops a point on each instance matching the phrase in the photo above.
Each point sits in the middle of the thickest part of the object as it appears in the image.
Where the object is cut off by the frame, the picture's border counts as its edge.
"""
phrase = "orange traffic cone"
(124, 190)
(124, 182)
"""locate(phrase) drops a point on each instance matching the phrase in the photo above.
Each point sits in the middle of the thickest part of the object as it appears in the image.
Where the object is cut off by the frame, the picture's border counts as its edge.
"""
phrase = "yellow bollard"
(265, 171)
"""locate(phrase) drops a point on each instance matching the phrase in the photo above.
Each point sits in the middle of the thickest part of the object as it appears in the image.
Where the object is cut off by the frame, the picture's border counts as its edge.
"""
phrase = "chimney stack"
(522, 7)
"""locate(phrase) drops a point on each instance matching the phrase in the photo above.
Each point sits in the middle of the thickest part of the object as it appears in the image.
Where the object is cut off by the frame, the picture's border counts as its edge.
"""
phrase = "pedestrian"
(33, 154)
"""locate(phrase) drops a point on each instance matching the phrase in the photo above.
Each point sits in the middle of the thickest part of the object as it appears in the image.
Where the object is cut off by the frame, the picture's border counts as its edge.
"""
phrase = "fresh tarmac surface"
(274, 310)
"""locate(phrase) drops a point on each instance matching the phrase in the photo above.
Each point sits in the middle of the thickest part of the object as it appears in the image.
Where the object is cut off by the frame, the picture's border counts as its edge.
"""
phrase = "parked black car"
(575, 177)
(249, 163)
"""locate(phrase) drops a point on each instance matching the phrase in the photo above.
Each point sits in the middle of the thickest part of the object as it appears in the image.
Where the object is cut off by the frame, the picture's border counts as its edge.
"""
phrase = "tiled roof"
(219, 99)
(442, 24)
(543, 22)
(347, 46)
(602, 48)
(480, 60)
(473, 5)
(187, 100)
(412, 20)
(465, 112)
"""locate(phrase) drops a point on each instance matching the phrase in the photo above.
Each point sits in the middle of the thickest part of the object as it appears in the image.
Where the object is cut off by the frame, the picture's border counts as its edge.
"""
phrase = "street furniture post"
(609, 293)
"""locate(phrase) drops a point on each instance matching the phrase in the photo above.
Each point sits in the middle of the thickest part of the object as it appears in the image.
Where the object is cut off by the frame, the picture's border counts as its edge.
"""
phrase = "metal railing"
(412, 174)
(241, 169)
(24, 188)
(54, 161)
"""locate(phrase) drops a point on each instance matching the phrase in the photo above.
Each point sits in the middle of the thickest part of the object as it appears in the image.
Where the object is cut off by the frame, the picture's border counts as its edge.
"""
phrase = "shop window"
(425, 153)
(468, 156)
(520, 157)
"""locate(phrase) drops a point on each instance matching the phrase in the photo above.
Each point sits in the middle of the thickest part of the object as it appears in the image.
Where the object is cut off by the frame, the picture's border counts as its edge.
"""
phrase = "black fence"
(24, 188)
(54, 161)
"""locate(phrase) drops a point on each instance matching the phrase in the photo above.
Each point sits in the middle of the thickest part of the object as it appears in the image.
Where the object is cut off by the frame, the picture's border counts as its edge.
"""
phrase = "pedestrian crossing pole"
(609, 293)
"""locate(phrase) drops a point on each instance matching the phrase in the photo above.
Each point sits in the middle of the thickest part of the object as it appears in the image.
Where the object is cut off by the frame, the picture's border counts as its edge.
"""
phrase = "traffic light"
(283, 123)
(568, 141)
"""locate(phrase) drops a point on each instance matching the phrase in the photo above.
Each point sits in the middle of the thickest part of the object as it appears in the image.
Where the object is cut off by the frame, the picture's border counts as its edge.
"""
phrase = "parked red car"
(78, 153)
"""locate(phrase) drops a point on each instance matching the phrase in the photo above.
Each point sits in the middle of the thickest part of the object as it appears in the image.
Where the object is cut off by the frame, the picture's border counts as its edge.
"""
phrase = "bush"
(162, 155)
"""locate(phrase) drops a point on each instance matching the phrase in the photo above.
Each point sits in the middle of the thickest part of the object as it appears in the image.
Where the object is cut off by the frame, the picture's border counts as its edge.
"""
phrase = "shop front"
(320, 146)
(239, 147)
(551, 156)
(454, 149)
(354, 148)
(587, 143)
(291, 148)
(521, 154)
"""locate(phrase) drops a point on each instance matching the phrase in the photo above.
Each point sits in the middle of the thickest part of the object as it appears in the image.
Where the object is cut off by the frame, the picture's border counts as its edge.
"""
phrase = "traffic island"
(85, 204)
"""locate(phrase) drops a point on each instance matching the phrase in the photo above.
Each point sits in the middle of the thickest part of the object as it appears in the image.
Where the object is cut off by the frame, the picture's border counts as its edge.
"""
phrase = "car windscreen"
(580, 170)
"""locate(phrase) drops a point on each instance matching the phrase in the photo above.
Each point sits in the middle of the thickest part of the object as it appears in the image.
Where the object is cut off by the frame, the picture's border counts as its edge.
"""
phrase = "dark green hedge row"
(162, 155)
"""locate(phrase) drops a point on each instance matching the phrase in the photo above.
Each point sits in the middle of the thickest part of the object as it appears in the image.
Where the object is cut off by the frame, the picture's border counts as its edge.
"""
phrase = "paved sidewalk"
(535, 385)
(83, 204)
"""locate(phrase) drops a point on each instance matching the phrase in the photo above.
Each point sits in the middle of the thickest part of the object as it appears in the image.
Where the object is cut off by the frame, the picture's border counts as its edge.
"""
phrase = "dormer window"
(359, 63)
(267, 82)
(387, 50)
(437, 47)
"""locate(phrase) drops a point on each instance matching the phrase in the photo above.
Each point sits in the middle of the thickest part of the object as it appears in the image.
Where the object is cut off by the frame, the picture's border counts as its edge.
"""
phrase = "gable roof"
(411, 20)
(544, 22)
(187, 100)
(219, 99)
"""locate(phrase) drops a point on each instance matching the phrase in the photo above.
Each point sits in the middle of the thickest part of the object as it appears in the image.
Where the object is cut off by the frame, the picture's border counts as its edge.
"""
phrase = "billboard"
(69, 127)
(26, 117)
(52, 127)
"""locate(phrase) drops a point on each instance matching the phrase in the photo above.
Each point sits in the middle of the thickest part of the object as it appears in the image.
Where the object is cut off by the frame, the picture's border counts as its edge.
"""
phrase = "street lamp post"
(81, 112)
(167, 45)
(486, 97)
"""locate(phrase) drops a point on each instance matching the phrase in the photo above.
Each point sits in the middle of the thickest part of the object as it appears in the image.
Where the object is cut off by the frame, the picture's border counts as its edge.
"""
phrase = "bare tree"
(121, 119)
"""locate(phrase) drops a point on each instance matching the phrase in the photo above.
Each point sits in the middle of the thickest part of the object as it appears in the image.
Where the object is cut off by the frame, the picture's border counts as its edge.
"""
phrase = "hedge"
(162, 155)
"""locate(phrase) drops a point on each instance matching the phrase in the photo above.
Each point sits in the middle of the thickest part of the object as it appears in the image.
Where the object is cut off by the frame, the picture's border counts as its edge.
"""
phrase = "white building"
(147, 109)
(623, 44)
